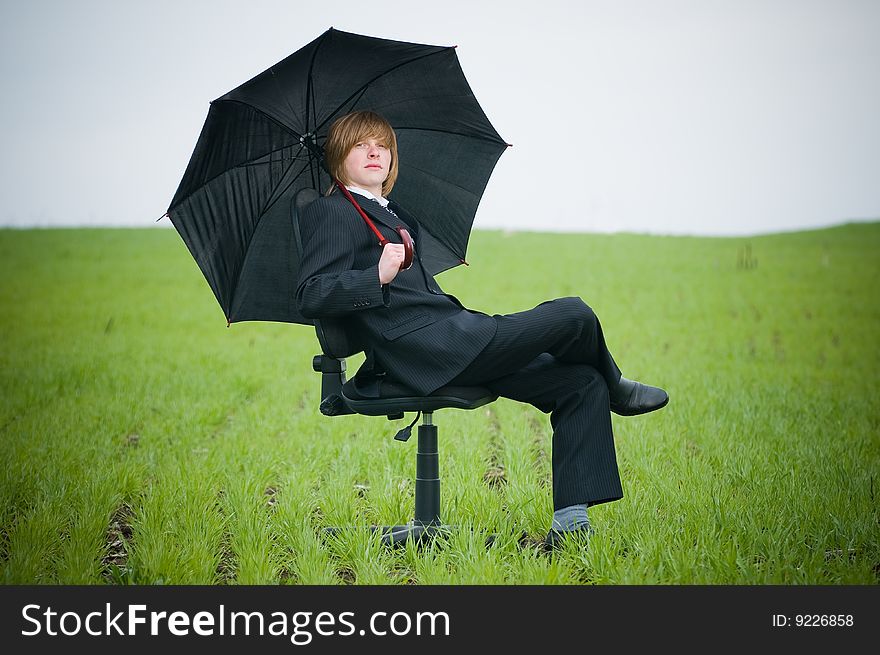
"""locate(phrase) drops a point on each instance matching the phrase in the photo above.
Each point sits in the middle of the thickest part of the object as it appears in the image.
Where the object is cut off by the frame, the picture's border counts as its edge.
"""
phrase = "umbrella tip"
(509, 145)
(163, 216)
(228, 321)
(465, 263)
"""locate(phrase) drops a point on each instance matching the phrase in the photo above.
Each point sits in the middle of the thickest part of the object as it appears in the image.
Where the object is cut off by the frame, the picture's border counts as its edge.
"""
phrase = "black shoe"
(632, 398)
(556, 538)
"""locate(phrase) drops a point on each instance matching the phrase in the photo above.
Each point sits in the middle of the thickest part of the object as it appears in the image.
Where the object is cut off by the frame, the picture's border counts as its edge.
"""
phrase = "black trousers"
(555, 358)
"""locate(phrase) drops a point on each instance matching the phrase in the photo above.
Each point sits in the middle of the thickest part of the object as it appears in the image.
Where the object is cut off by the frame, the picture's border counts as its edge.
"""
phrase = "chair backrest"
(336, 340)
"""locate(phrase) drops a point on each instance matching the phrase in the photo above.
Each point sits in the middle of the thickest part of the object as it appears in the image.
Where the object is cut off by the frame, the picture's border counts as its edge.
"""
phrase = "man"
(553, 356)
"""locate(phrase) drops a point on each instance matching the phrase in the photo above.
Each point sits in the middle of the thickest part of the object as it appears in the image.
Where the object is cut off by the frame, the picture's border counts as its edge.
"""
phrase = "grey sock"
(570, 518)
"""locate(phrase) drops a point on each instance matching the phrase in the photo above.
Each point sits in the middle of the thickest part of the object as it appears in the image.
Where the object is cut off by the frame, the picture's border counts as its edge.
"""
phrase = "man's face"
(368, 164)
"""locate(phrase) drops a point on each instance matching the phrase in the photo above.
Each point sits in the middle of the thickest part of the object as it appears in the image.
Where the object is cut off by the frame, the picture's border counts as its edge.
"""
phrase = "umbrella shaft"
(370, 224)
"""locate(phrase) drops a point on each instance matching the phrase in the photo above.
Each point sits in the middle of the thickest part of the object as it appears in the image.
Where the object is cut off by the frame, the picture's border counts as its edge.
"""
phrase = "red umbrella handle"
(407, 247)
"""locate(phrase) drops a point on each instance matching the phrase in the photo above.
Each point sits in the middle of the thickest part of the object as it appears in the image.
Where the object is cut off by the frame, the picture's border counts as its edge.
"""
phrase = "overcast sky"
(674, 117)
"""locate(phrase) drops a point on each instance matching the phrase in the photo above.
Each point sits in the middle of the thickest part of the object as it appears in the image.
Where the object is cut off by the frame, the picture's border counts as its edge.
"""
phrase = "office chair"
(341, 397)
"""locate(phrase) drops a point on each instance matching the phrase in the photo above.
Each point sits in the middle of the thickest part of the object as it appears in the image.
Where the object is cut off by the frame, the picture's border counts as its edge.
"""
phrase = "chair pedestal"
(426, 524)
(427, 475)
(339, 397)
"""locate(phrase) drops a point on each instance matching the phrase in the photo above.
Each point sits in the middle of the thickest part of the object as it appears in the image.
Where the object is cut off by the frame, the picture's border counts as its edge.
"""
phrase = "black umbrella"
(262, 142)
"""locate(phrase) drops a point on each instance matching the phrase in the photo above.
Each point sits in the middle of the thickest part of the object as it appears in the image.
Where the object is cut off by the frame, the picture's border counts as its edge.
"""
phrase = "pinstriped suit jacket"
(421, 336)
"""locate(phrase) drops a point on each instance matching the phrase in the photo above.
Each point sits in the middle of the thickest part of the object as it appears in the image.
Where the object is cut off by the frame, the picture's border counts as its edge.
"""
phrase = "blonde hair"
(349, 130)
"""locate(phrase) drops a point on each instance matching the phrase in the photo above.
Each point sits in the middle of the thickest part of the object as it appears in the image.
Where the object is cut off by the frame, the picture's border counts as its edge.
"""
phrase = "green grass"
(144, 442)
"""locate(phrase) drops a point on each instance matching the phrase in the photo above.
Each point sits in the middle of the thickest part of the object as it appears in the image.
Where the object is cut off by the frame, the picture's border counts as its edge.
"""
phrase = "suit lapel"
(378, 213)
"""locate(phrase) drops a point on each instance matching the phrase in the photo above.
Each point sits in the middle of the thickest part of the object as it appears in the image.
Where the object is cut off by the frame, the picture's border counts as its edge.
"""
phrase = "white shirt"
(366, 194)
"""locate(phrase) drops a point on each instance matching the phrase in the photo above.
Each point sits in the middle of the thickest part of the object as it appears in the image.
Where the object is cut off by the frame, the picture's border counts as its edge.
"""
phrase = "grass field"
(144, 442)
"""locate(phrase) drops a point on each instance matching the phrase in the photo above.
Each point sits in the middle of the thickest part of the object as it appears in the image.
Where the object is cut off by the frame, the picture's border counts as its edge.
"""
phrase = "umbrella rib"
(296, 157)
(252, 159)
(312, 110)
(363, 88)
(457, 186)
(449, 182)
(260, 111)
(310, 88)
(278, 196)
(466, 136)
(281, 93)
(448, 247)
(263, 211)
(249, 162)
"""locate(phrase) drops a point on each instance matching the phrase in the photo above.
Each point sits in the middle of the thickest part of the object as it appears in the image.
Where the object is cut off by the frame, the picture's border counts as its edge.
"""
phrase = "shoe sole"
(643, 411)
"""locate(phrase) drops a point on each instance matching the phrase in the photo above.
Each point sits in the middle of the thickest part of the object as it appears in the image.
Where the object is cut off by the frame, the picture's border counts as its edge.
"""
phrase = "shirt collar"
(366, 194)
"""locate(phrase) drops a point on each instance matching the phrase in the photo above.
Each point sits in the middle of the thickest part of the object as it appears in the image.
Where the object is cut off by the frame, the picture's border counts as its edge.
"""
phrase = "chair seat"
(395, 398)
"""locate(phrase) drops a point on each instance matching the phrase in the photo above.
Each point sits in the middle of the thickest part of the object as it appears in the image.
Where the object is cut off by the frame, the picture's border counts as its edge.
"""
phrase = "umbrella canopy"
(262, 142)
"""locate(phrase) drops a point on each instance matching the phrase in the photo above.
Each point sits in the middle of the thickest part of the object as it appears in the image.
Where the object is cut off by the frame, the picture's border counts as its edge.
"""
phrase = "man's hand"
(390, 262)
